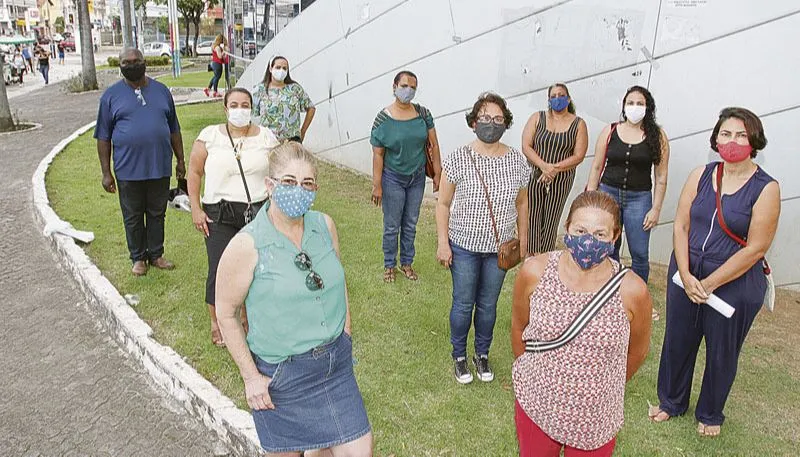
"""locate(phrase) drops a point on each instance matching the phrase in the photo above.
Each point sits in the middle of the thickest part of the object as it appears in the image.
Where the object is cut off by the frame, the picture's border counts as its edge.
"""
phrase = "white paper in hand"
(720, 305)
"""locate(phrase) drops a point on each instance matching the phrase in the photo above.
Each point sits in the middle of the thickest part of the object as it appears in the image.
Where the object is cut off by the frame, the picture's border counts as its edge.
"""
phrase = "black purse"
(249, 213)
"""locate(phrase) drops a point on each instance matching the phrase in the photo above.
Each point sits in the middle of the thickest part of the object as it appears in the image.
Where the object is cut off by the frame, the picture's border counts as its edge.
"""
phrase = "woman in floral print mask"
(281, 102)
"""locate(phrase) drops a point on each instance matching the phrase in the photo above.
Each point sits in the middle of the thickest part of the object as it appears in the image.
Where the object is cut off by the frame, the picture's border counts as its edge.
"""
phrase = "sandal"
(656, 414)
(409, 272)
(655, 315)
(216, 338)
(708, 430)
(388, 275)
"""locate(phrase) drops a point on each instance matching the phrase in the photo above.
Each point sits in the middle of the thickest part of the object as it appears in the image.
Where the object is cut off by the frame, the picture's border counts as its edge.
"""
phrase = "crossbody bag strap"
(488, 199)
(581, 320)
(721, 219)
(237, 154)
(608, 142)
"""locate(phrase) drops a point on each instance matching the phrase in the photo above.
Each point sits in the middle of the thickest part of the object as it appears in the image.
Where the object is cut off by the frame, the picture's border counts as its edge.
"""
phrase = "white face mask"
(279, 74)
(635, 113)
(239, 117)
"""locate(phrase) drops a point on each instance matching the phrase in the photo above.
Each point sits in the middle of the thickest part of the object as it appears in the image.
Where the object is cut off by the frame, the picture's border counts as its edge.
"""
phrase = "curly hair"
(652, 131)
(484, 99)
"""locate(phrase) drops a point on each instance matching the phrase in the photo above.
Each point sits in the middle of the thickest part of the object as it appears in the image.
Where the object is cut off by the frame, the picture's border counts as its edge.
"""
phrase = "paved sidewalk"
(58, 73)
(66, 389)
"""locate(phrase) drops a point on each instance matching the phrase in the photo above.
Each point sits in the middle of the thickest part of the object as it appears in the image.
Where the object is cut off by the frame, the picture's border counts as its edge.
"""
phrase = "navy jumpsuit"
(687, 323)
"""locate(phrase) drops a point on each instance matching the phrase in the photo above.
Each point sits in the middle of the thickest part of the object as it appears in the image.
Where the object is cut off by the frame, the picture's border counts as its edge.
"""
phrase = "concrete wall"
(696, 56)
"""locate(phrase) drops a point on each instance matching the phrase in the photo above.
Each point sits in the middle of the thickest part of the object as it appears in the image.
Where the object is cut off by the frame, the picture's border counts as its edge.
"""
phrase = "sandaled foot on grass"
(708, 430)
(655, 315)
(389, 275)
(656, 414)
(409, 272)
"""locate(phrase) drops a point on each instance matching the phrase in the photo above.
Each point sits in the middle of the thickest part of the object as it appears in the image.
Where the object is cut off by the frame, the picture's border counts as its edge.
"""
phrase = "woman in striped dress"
(555, 142)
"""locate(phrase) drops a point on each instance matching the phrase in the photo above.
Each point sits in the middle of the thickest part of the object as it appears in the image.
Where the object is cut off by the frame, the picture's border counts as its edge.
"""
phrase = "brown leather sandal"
(389, 275)
(409, 272)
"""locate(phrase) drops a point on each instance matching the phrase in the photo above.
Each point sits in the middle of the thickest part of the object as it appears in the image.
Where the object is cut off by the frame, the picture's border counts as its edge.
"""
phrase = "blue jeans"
(634, 206)
(477, 281)
(217, 68)
(45, 71)
(402, 199)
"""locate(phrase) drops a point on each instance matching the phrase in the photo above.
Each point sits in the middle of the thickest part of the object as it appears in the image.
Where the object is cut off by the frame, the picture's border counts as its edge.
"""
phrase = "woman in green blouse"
(296, 360)
(281, 102)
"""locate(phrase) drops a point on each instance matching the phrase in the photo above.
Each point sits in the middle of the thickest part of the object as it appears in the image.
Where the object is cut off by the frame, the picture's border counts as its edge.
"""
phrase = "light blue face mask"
(405, 94)
(293, 201)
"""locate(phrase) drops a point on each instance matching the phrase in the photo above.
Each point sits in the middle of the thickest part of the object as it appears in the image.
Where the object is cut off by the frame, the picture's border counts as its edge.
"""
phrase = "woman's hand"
(444, 255)
(257, 392)
(549, 172)
(694, 288)
(377, 195)
(651, 219)
(200, 221)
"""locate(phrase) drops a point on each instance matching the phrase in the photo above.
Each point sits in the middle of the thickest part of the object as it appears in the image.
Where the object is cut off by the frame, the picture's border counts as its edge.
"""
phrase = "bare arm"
(660, 188)
(527, 280)
(437, 158)
(522, 203)
(104, 153)
(639, 307)
(527, 141)
(377, 174)
(763, 224)
(197, 165)
(680, 237)
(579, 152)
(447, 190)
(595, 173)
(176, 140)
(335, 240)
(307, 121)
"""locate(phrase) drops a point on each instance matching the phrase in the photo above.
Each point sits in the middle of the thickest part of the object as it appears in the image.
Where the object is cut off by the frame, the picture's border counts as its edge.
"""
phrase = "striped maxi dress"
(547, 200)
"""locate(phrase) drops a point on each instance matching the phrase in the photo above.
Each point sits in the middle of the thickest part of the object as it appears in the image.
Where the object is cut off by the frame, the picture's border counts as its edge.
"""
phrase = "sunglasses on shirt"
(313, 280)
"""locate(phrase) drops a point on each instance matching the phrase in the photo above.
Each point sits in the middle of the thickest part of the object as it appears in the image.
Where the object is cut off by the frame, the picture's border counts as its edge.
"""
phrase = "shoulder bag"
(508, 255)
(248, 213)
(605, 162)
(429, 170)
(769, 296)
(581, 320)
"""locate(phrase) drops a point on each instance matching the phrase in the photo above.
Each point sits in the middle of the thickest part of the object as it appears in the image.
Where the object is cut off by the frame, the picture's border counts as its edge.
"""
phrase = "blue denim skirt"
(316, 398)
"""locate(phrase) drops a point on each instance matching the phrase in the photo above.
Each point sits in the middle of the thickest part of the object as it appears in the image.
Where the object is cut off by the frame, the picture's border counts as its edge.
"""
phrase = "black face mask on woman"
(489, 132)
(133, 71)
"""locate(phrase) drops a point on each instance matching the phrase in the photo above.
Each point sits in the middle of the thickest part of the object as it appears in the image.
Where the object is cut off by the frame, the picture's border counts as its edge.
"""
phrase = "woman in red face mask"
(720, 203)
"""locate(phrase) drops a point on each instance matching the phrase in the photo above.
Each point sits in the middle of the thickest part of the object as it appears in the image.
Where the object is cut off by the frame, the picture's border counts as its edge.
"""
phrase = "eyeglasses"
(139, 96)
(307, 184)
(498, 120)
(313, 280)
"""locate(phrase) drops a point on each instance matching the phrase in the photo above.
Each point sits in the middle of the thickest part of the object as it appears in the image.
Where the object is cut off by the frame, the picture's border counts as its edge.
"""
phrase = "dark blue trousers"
(686, 325)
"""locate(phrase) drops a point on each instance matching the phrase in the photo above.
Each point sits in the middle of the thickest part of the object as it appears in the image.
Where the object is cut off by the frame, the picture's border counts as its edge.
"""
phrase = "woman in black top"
(626, 156)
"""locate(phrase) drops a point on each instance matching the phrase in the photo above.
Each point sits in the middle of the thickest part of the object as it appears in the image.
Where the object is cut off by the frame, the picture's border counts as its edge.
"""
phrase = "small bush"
(150, 61)
(75, 84)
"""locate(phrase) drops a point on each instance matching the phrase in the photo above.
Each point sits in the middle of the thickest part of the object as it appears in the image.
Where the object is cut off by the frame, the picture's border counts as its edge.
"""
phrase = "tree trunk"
(265, 24)
(189, 50)
(88, 73)
(6, 119)
(127, 24)
(196, 21)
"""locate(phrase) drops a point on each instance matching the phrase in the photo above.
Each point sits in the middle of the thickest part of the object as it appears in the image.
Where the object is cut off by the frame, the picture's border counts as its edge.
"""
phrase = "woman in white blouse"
(233, 159)
(467, 242)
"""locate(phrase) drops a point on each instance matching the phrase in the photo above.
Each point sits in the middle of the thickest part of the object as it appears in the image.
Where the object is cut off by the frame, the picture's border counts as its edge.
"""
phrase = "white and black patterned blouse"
(470, 226)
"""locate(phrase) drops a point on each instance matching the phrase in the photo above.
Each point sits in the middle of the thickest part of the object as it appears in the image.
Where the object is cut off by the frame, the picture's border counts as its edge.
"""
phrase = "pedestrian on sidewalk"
(19, 64)
(44, 62)
(231, 195)
(218, 61)
(61, 52)
(26, 54)
(137, 119)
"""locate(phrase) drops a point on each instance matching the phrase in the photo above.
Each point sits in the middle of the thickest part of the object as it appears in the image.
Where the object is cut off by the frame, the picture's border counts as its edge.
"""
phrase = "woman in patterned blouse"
(572, 396)
(468, 244)
(280, 103)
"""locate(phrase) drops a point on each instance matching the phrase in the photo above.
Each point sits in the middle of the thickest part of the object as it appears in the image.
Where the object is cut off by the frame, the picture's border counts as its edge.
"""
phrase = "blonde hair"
(286, 153)
(219, 39)
(598, 200)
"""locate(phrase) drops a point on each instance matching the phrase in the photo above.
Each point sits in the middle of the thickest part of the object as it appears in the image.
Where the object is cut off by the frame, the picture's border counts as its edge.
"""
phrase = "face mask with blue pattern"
(586, 250)
(293, 201)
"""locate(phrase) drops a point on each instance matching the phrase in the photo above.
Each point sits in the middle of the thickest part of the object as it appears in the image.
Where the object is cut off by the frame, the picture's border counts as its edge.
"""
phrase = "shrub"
(150, 61)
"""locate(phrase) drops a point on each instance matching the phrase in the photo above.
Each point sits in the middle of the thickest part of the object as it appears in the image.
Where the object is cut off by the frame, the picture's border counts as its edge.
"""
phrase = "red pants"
(533, 442)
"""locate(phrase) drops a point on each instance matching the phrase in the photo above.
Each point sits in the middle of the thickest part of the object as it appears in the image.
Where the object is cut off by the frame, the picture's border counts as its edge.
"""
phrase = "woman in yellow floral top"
(280, 101)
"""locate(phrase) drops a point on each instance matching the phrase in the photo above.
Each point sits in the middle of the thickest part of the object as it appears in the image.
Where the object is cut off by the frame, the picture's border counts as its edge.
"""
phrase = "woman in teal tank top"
(296, 359)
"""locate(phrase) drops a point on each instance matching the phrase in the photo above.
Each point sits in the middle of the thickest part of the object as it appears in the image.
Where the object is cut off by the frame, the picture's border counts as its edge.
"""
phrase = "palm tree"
(88, 72)
(6, 119)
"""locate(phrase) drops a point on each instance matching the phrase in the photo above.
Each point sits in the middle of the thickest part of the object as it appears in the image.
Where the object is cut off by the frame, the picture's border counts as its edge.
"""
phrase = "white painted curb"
(198, 396)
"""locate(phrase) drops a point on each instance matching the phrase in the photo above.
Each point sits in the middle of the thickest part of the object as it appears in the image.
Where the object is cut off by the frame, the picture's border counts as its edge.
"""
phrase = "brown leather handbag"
(508, 254)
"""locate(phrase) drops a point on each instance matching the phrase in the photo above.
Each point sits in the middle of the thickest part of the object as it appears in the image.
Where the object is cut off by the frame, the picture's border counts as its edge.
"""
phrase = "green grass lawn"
(401, 331)
(190, 79)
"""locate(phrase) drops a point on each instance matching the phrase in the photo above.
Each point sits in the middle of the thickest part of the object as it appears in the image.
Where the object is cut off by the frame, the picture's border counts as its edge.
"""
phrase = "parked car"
(184, 50)
(68, 44)
(157, 49)
(204, 48)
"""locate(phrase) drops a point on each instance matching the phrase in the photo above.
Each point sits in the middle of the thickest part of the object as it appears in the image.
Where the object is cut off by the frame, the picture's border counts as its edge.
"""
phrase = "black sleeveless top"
(628, 166)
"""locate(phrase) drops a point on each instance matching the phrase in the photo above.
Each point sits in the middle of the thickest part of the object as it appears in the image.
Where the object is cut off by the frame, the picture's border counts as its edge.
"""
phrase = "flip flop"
(656, 414)
(708, 430)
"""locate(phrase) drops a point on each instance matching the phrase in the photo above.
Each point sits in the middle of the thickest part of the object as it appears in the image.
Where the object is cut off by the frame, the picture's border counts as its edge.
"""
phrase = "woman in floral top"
(280, 102)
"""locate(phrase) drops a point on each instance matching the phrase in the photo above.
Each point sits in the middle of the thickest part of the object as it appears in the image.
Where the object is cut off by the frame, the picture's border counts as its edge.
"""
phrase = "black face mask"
(133, 72)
